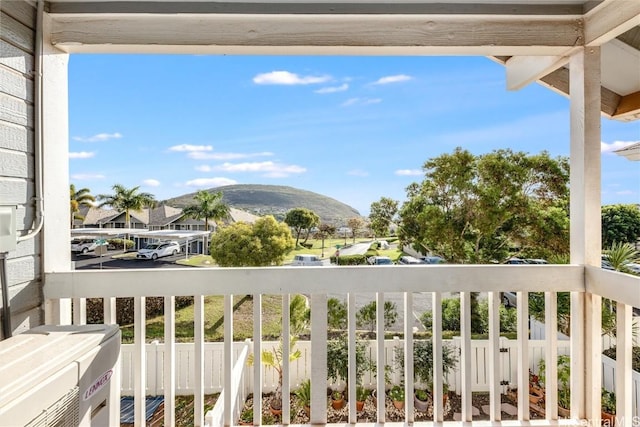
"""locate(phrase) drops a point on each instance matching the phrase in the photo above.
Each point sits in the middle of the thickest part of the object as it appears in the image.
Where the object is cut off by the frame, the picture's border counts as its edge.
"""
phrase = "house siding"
(24, 266)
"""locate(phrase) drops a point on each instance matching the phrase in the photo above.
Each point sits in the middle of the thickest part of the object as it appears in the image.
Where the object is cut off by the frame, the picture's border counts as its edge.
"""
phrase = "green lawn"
(214, 320)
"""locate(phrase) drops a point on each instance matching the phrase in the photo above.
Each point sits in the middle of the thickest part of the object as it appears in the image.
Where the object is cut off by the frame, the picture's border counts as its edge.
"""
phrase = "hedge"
(125, 311)
(349, 260)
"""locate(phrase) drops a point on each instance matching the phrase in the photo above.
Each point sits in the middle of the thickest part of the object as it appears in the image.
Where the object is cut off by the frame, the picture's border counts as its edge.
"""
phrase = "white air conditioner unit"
(61, 376)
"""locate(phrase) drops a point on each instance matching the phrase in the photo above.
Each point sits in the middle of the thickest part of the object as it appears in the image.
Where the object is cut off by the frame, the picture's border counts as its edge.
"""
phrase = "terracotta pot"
(359, 405)
(399, 404)
(307, 410)
(275, 412)
(563, 412)
(608, 420)
(337, 404)
(536, 395)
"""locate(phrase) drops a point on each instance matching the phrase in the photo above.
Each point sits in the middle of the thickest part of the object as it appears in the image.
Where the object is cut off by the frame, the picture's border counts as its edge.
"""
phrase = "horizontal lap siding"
(17, 161)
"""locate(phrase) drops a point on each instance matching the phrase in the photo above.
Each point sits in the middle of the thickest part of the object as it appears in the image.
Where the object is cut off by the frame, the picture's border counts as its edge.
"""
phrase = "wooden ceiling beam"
(523, 70)
(628, 107)
(609, 20)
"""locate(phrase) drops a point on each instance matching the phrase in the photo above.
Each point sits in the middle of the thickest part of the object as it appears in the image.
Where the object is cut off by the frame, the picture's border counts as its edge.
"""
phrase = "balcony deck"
(586, 284)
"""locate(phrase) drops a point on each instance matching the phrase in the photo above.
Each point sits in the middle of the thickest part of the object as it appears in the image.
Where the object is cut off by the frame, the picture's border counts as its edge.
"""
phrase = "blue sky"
(351, 128)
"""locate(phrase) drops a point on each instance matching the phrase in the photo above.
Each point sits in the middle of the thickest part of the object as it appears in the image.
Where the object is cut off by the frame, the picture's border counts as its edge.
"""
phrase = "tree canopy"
(382, 214)
(475, 208)
(301, 219)
(127, 200)
(621, 224)
(264, 243)
(207, 206)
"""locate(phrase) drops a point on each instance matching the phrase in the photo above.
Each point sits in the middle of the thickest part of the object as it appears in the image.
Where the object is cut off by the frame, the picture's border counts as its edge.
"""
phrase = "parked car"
(514, 260)
(86, 244)
(305, 259)
(509, 299)
(434, 259)
(380, 260)
(158, 250)
(536, 261)
(408, 259)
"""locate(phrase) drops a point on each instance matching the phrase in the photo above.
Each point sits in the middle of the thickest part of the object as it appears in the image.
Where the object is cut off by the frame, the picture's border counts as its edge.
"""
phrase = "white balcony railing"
(587, 285)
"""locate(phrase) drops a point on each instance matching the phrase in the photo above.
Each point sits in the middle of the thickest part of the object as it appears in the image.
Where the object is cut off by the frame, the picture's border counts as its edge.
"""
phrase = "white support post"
(169, 361)
(438, 407)
(522, 299)
(624, 347)
(198, 337)
(577, 329)
(494, 357)
(228, 359)
(585, 225)
(380, 376)
(110, 311)
(551, 355)
(140, 362)
(465, 356)
(257, 356)
(408, 357)
(286, 348)
(79, 311)
(352, 380)
(319, 360)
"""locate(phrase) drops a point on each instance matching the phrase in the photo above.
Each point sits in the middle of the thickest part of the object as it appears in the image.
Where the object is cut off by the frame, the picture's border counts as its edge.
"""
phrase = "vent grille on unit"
(62, 413)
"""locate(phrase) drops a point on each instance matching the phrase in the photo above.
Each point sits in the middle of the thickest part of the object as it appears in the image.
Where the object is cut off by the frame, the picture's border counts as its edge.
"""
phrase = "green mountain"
(276, 200)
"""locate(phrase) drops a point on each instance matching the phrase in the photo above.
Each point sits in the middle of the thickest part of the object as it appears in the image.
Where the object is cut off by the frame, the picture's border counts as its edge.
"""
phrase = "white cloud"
(151, 182)
(287, 78)
(191, 148)
(624, 193)
(87, 176)
(615, 145)
(210, 182)
(203, 168)
(392, 79)
(269, 169)
(100, 137)
(361, 101)
(333, 89)
(81, 155)
(409, 172)
(199, 155)
(358, 172)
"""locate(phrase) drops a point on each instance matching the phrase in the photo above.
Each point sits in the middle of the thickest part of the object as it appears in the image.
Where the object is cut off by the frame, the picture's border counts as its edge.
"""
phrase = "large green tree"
(621, 224)
(207, 206)
(301, 219)
(79, 198)
(382, 213)
(473, 209)
(127, 200)
(264, 243)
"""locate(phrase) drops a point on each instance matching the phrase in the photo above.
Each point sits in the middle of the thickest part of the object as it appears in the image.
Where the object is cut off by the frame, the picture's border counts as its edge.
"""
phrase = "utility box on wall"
(7, 228)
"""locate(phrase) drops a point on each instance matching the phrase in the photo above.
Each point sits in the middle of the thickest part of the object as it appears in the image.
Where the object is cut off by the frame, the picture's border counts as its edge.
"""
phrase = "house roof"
(164, 215)
(534, 39)
(631, 152)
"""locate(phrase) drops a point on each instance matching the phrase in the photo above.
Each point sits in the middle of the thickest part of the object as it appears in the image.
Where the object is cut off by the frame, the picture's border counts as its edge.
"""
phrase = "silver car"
(158, 250)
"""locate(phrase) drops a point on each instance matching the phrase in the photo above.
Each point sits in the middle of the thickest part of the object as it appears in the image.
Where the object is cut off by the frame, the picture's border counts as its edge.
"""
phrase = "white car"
(86, 244)
(304, 259)
(158, 250)
(380, 260)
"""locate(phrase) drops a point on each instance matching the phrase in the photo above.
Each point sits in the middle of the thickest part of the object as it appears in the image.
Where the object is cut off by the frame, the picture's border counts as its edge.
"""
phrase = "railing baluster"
(257, 355)
(79, 311)
(110, 311)
(198, 337)
(228, 359)
(494, 356)
(465, 356)
(408, 357)
(593, 351)
(169, 361)
(436, 307)
(286, 347)
(624, 346)
(140, 362)
(578, 355)
(522, 301)
(352, 380)
(319, 361)
(380, 376)
(551, 355)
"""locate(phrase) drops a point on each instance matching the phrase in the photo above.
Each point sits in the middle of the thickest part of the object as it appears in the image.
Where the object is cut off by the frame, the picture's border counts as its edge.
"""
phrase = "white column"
(624, 347)
(465, 356)
(198, 338)
(380, 376)
(55, 131)
(319, 360)
(494, 356)
(585, 227)
(257, 358)
(140, 362)
(522, 299)
(169, 361)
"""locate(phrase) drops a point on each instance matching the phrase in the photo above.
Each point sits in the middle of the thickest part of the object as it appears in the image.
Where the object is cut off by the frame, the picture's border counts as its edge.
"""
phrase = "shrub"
(450, 315)
(118, 243)
(125, 308)
(349, 260)
(366, 316)
(336, 313)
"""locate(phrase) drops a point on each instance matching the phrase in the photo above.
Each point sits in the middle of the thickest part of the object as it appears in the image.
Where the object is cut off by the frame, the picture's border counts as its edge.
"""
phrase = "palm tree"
(620, 254)
(127, 199)
(208, 206)
(81, 197)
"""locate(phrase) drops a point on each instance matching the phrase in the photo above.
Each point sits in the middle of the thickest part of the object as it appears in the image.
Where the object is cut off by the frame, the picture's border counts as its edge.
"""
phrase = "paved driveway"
(95, 262)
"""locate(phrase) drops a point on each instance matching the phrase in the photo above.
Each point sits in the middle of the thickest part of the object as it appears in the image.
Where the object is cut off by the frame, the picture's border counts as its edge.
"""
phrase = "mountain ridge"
(276, 200)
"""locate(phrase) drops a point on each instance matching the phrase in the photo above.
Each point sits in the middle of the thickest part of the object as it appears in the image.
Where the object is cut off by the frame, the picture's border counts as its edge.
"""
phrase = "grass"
(214, 320)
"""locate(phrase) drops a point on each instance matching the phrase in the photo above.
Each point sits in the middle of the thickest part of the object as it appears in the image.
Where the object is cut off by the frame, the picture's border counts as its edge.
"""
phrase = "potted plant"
(361, 396)
(303, 393)
(246, 417)
(564, 390)
(337, 361)
(421, 399)
(608, 412)
(396, 394)
(273, 358)
(337, 399)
